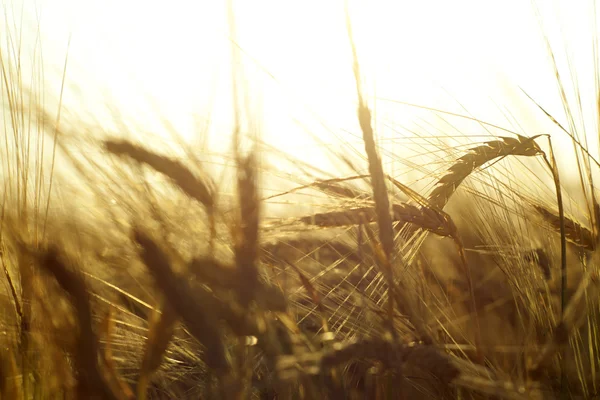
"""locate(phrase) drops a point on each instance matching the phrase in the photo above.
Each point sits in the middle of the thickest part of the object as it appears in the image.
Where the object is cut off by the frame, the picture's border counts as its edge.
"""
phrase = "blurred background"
(147, 69)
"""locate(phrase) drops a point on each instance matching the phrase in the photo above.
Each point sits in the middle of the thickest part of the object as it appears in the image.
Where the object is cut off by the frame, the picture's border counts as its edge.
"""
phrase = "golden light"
(156, 61)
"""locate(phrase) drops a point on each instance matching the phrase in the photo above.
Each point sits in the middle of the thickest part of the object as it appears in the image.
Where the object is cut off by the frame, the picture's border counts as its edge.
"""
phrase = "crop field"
(321, 200)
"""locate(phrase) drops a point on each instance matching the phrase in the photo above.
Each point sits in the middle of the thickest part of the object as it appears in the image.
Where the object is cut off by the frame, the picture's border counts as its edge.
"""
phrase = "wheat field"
(452, 257)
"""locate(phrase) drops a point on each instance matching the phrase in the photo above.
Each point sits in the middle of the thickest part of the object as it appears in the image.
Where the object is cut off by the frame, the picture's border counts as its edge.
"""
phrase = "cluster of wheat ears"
(181, 294)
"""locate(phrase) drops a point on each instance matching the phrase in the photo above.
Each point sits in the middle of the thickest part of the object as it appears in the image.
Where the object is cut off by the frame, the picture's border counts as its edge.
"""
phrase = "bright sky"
(145, 56)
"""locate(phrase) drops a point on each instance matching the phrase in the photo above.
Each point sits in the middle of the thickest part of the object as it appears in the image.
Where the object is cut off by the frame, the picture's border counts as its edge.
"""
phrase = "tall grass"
(181, 286)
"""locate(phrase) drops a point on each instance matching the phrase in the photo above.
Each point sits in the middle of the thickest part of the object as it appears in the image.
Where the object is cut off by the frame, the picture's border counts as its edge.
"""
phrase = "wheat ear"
(475, 158)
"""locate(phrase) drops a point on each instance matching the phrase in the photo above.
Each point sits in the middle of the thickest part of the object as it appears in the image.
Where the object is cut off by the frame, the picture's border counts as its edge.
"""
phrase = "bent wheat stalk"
(475, 158)
(200, 189)
(160, 333)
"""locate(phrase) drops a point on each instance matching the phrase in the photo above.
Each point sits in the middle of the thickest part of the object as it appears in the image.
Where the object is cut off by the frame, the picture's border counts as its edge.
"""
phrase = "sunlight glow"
(155, 61)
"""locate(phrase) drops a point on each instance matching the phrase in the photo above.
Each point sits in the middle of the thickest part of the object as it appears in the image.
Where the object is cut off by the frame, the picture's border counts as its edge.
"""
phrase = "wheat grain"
(475, 158)
(421, 217)
(574, 232)
(199, 189)
(380, 193)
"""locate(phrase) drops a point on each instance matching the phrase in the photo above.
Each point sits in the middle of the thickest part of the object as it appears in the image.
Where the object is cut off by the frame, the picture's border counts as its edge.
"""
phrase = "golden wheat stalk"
(585, 299)
(380, 193)
(221, 277)
(200, 189)
(421, 217)
(161, 331)
(247, 229)
(179, 294)
(92, 380)
(108, 327)
(475, 158)
(338, 190)
(575, 233)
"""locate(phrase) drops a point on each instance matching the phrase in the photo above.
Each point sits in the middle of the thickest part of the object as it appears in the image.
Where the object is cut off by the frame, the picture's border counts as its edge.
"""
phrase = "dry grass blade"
(179, 295)
(574, 232)
(91, 380)
(475, 158)
(199, 189)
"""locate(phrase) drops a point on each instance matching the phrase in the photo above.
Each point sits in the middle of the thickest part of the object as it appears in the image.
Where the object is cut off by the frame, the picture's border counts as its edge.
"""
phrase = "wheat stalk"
(92, 379)
(247, 229)
(574, 232)
(421, 217)
(180, 296)
(161, 331)
(575, 314)
(475, 158)
(199, 189)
